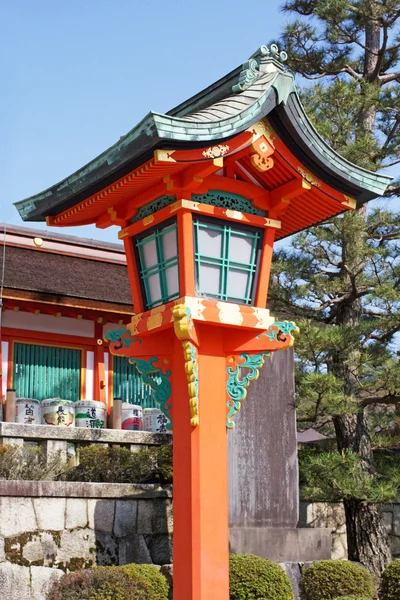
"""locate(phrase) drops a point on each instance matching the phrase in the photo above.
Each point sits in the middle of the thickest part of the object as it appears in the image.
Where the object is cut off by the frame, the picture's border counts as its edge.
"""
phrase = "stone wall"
(48, 528)
(331, 515)
(67, 441)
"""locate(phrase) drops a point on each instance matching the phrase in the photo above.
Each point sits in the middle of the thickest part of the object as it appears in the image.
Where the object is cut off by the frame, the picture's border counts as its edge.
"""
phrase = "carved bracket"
(237, 383)
(185, 330)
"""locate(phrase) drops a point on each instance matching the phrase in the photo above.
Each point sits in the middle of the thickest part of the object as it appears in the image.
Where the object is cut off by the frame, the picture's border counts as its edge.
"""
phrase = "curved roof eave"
(272, 94)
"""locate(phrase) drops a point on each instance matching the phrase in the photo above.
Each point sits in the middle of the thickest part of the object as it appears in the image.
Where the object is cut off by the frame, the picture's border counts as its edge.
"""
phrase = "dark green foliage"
(340, 281)
(329, 579)
(120, 465)
(353, 598)
(29, 462)
(390, 583)
(157, 585)
(255, 578)
(101, 583)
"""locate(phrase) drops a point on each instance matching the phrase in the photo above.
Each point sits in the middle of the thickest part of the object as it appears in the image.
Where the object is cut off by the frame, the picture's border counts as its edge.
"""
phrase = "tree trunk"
(367, 539)
(366, 536)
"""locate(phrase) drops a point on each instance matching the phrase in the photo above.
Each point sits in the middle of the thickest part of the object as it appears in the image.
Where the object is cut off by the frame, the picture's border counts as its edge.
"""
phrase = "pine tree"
(341, 280)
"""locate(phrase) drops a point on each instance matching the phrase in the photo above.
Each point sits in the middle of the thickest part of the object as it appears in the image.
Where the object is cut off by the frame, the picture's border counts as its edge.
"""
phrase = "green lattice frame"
(224, 262)
(160, 267)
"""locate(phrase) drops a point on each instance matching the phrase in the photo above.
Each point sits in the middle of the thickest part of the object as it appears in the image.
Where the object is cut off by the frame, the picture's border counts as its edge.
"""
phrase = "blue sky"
(77, 75)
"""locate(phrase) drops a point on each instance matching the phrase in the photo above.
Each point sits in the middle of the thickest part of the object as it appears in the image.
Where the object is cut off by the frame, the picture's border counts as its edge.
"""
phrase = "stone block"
(77, 549)
(17, 516)
(387, 518)
(396, 521)
(125, 518)
(14, 582)
(281, 544)
(134, 550)
(292, 570)
(339, 546)
(41, 547)
(2, 550)
(76, 514)
(42, 579)
(160, 548)
(154, 517)
(50, 513)
(54, 447)
(395, 545)
(107, 550)
(101, 515)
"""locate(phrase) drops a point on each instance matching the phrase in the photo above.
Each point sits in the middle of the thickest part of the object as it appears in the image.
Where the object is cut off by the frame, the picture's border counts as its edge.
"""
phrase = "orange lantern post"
(200, 195)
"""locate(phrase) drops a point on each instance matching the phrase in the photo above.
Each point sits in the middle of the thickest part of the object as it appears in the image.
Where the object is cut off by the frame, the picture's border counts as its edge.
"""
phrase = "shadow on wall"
(133, 531)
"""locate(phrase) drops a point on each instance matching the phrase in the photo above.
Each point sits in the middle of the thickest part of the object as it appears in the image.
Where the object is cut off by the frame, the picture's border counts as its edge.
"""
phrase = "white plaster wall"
(48, 323)
(89, 374)
(4, 366)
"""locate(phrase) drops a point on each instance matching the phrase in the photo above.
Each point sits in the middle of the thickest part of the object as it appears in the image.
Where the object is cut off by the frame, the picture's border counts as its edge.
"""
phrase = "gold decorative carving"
(163, 156)
(349, 202)
(309, 177)
(216, 151)
(147, 220)
(182, 321)
(192, 374)
(234, 214)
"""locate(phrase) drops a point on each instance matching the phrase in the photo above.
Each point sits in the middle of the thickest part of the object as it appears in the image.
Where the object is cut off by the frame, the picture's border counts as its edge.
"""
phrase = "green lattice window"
(226, 257)
(157, 252)
(46, 372)
(128, 384)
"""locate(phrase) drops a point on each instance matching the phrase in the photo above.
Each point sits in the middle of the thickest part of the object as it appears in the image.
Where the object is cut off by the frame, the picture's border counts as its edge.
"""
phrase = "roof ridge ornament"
(251, 70)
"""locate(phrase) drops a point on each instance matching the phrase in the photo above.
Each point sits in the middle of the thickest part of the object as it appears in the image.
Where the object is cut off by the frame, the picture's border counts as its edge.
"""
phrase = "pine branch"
(388, 77)
(372, 400)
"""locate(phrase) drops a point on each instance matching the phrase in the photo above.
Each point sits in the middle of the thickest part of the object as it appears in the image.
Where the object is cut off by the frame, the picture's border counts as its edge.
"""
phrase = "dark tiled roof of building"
(47, 273)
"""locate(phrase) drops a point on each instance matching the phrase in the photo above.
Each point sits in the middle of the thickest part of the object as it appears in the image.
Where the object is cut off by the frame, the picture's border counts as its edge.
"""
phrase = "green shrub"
(156, 582)
(330, 579)
(101, 583)
(29, 462)
(101, 464)
(255, 578)
(390, 582)
(352, 598)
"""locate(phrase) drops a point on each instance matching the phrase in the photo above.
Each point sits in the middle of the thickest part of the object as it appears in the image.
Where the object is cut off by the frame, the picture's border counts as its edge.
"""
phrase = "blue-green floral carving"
(153, 206)
(236, 385)
(159, 383)
(228, 201)
(122, 336)
(278, 329)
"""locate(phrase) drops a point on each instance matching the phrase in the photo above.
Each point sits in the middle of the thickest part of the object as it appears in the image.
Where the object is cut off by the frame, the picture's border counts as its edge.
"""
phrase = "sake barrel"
(132, 416)
(90, 414)
(58, 412)
(27, 411)
(154, 420)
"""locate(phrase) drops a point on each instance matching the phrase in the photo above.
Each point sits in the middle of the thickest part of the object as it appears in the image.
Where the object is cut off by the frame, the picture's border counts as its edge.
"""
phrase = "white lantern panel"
(237, 284)
(149, 253)
(210, 242)
(170, 244)
(172, 277)
(209, 278)
(240, 249)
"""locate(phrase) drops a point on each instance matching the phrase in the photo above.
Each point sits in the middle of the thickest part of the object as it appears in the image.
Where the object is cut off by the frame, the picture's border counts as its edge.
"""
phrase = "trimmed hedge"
(390, 582)
(101, 583)
(129, 582)
(352, 598)
(255, 578)
(330, 579)
(98, 463)
(156, 582)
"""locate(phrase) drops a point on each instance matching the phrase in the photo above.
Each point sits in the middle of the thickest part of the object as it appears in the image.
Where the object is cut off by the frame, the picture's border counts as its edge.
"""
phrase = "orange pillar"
(200, 462)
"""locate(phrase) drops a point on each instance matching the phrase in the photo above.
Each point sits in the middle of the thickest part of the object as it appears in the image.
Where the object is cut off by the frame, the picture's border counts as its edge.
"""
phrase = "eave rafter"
(239, 167)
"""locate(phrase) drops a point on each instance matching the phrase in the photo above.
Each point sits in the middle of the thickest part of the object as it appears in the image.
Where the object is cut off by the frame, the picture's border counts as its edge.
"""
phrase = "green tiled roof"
(260, 88)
